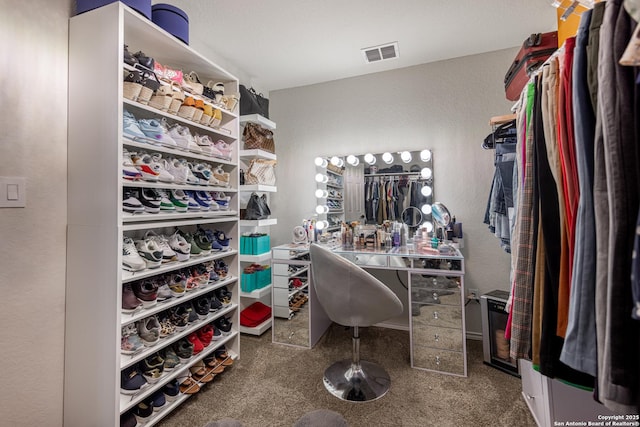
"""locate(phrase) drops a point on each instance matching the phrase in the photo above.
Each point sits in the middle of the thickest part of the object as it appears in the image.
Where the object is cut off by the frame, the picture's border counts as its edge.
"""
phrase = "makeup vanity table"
(431, 287)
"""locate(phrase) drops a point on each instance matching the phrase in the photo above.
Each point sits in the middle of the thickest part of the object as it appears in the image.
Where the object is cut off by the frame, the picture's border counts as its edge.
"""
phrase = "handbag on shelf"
(257, 208)
(261, 171)
(252, 102)
(258, 137)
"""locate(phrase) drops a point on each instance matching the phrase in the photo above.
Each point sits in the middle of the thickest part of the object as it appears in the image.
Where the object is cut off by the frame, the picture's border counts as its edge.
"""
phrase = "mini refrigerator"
(494, 322)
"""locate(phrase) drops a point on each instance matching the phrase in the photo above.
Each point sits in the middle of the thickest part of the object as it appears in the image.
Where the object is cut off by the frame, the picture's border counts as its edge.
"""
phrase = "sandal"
(188, 108)
(150, 84)
(132, 85)
(188, 385)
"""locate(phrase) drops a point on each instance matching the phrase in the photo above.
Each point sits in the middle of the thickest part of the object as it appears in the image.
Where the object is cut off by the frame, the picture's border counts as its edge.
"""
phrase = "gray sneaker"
(149, 331)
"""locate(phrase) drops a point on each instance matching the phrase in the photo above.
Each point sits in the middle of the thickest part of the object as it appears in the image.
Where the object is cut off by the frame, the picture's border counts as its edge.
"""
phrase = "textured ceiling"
(287, 43)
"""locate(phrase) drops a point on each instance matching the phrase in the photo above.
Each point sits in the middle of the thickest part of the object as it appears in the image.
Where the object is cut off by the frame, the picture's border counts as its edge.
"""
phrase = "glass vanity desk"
(431, 287)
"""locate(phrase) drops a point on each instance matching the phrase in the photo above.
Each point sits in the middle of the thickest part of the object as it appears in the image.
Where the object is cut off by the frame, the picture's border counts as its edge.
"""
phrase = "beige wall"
(33, 144)
(444, 106)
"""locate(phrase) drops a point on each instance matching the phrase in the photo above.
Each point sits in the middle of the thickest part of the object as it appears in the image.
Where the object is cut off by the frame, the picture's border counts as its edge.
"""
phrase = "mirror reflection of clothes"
(386, 197)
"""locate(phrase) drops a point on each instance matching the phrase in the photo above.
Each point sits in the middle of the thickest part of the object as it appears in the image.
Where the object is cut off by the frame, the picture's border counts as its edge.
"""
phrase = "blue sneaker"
(158, 399)
(171, 390)
(151, 129)
(192, 204)
(203, 199)
(130, 126)
(215, 245)
(131, 380)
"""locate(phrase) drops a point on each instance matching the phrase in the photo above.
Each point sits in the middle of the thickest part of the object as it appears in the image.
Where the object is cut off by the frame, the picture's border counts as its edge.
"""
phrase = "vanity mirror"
(374, 187)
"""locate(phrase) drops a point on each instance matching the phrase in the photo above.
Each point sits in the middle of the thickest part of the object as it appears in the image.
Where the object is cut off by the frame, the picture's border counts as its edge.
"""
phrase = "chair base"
(368, 382)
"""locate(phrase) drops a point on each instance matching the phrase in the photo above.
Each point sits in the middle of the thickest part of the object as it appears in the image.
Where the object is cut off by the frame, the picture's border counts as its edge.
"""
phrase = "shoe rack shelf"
(250, 226)
(97, 223)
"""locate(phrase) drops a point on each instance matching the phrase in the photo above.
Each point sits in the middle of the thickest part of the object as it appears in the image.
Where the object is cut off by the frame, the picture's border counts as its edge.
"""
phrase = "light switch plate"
(13, 192)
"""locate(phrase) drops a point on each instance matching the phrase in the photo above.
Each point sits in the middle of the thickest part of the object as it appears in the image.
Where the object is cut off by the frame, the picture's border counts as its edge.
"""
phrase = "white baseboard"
(474, 336)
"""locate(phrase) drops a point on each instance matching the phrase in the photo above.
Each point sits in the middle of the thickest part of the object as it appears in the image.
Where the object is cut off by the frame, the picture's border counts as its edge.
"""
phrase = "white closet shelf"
(256, 258)
(221, 132)
(140, 314)
(145, 221)
(128, 142)
(129, 401)
(259, 187)
(129, 360)
(257, 154)
(130, 276)
(258, 293)
(257, 330)
(168, 186)
(258, 222)
(259, 119)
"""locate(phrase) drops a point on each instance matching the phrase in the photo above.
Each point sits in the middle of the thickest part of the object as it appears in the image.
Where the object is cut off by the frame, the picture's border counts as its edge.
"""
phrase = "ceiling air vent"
(381, 52)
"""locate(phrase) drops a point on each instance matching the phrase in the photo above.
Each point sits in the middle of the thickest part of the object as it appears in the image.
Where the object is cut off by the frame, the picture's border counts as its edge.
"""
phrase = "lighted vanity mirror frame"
(338, 179)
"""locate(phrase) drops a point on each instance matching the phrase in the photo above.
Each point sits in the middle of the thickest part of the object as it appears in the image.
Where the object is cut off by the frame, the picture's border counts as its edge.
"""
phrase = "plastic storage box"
(172, 19)
(141, 6)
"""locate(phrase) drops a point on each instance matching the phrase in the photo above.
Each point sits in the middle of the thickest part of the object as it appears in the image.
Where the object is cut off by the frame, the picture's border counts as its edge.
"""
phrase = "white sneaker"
(145, 164)
(168, 254)
(159, 166)
(166, 139)
(183, 138)
(206, 144)
(180, 246)
(178, 169)
(130, 203)
(165, 202)
(179, 200)
(129, 171)
(150, 252)
(131, 260)
(191, 178)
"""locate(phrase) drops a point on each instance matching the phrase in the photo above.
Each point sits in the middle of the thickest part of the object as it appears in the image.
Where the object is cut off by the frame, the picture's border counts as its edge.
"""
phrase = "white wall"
(444, 106)
(33, 144)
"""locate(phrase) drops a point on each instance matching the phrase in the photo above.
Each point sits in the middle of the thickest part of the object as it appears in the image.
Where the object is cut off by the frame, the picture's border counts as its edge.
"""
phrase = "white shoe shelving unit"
(97, 224)
(250, 226)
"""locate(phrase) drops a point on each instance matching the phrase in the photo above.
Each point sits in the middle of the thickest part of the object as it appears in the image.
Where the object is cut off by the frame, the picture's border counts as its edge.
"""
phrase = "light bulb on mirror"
(321, 225)
(426, 173)
(425, 155)
(405, 156)
(322, 209)
(370, 158)
(337, 161)
(321, 162)
(321, 194)
(321, 178)
(387, 158)
(429, 227)
(426, 191)
(353, 160)
(426, 209)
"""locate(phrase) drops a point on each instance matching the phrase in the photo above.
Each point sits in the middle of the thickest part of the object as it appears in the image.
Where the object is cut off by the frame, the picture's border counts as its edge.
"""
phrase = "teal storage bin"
(246, 244)
(248, 282)
(262, 244)
(263, 277)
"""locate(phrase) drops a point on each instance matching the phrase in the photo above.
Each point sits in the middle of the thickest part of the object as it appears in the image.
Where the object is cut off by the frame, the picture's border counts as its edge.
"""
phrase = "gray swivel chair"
(352, 297)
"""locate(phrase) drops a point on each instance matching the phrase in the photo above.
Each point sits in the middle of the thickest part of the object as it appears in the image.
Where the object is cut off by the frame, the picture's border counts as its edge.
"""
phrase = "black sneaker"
(214, 303)
(171, 390)
(224, 325)
(143, 411)
(193, 314)
(223, 295)
(202, 307)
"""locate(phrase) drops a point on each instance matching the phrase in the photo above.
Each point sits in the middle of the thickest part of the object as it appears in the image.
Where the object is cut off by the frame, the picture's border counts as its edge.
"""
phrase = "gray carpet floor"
(274, 385)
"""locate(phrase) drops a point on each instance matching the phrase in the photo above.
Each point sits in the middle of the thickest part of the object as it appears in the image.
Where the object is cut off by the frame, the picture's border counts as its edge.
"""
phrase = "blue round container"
(172, 19)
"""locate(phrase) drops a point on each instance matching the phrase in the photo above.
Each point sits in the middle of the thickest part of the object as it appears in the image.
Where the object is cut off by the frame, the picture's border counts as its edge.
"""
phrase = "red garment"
(566, 144)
